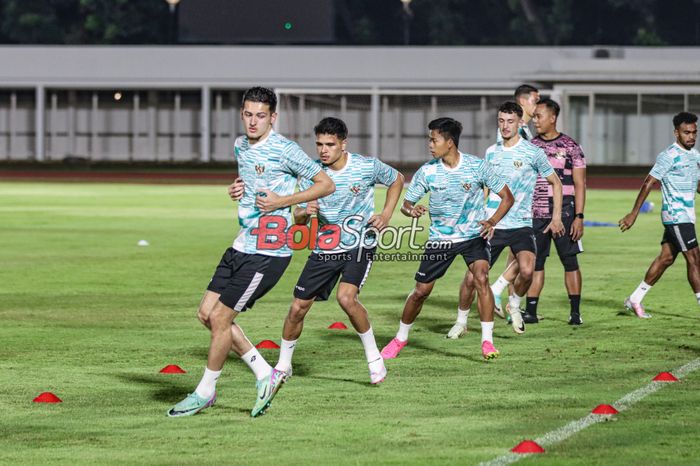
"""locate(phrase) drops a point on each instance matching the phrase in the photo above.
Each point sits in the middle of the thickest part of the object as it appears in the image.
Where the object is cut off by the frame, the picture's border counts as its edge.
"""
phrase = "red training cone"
(47, 397)
(172, 369)
(605, 410)
(338, 326)
(267, 344)
(665, 377)
(527, 446)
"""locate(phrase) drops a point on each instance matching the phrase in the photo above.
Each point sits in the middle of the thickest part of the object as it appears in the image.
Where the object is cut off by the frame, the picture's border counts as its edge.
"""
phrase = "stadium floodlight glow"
(117, 95)
(173, 4)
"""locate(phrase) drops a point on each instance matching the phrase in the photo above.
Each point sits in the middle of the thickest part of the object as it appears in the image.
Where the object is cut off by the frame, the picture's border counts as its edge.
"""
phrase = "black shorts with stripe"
(322, 271)
(518, 239)
(241, 278)
(436, 261)
(565, 245)
(681, 236)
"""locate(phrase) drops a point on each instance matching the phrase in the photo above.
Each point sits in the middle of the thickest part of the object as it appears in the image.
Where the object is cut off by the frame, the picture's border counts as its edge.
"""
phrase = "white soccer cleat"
(457, 330)
(516, 320)
(377, 371)
(497, 308)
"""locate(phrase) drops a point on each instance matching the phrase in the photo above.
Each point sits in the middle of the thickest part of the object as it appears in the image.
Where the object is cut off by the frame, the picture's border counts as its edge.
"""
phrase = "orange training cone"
(172, 369)
(47, 397)
(665, 377)
(267, 344)
(527, 446)
(605, 410)
(338, 326)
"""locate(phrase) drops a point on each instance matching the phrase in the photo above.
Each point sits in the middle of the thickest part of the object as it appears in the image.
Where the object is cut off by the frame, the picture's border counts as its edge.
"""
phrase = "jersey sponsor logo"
(259, 168)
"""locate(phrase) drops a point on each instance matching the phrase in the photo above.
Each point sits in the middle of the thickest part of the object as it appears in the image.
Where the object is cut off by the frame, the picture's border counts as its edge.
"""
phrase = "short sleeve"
(418, 187)
(578, 160)
(542, 165)
(298, 163)
(383, 173)
(663, 164)
(490, 179)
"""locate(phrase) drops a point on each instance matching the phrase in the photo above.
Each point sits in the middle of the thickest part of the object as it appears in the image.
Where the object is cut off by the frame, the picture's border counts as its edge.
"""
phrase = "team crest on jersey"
(517, 164)
(259, 169)
(467, 186)
(560, 154)
(355, 189)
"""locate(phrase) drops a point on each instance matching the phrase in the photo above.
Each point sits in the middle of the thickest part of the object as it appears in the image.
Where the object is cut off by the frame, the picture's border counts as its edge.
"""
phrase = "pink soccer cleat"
(488, 350)
(637, 308)
(393, 349)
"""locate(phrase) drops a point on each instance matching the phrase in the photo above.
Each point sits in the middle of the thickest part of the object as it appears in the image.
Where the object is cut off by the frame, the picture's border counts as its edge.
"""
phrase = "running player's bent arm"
(506, 203)
(628, 220)
(410, 209)
(323, 186)
(392, 198)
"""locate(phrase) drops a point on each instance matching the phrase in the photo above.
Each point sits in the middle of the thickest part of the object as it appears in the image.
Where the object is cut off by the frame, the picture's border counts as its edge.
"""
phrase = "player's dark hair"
(263, 95)
(551, 105)
(684, 117)
(448, 128)
(511, 107)
(524, 89)
(332, 126)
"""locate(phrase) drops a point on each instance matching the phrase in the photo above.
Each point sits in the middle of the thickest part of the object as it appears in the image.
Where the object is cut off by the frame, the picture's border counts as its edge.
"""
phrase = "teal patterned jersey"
(352, 204)
(275, 164)
(519, 166)
(456, 204)
(677, 169)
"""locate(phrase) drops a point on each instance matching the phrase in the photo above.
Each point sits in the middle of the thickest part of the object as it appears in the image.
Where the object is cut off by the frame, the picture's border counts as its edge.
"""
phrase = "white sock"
(402, 334)
(286, 352)
(487, 331)
(514, 301)
(640, 292)
(370, 345)
(207, 386)
(499, 285)
(697, 296)
(257, 364)
(462, 316)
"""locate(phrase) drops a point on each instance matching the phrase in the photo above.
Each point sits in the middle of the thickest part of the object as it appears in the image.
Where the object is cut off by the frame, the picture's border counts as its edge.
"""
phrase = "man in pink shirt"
(567, 159)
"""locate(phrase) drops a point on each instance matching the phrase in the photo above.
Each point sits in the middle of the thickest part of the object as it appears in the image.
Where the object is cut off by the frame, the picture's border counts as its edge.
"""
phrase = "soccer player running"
(345, 219)
(269, 165)
(676, 168)
(567, 159)
(458, 226)
(519, 163)
(526, 96)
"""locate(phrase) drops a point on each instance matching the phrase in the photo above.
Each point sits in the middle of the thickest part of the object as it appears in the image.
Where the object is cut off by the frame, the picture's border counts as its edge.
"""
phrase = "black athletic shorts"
(242, 278)
(681, 236)
(322, 271)
(436, 261)
(564, 244)
(518, 239)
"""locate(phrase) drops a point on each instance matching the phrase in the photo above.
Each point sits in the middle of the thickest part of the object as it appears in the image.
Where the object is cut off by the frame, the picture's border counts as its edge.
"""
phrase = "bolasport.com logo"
(273, 232)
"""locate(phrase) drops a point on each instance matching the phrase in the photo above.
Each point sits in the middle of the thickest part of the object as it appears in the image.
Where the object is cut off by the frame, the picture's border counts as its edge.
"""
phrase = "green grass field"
(89, 315)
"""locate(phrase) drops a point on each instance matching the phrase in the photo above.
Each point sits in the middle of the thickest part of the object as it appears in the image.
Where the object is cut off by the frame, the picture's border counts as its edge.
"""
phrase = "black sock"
(575, 301)
(531, 305)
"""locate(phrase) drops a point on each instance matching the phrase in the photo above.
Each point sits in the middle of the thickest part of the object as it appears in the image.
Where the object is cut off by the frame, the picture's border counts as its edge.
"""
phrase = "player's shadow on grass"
(165, 387)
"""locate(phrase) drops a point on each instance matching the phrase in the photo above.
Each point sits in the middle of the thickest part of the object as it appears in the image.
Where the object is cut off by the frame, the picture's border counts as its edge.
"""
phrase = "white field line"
(624, 403)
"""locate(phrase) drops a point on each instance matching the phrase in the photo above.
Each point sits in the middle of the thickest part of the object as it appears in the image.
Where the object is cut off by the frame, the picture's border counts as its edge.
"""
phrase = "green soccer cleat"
(267, 389)
(191, 405)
